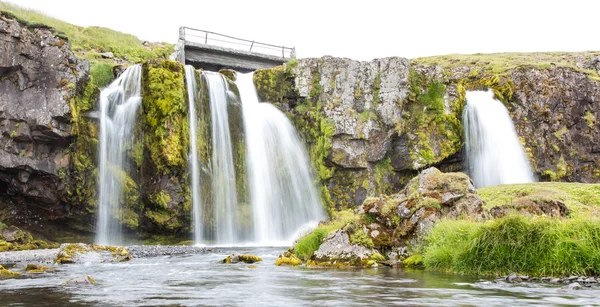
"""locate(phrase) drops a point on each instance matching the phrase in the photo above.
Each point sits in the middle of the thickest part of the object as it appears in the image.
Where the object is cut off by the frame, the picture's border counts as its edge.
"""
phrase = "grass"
(581, 198)
(88, 43)
(307, 245)
(534, 246)
(502, 62)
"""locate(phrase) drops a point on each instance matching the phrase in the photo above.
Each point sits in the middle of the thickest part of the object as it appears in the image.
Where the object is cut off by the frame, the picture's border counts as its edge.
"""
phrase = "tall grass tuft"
(538, 246)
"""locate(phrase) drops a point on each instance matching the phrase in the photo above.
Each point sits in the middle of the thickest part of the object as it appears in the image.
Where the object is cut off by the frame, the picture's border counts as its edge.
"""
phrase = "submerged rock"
(245, 258)
(79, 252)
(81, 280)
(36, 269)
(7, 274)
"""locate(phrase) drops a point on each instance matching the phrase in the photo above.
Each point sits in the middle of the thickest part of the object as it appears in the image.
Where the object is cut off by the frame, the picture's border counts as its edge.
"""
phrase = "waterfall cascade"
(282, 193)
(493, 152)
(119, 103)
(194, 163)
(275, 176)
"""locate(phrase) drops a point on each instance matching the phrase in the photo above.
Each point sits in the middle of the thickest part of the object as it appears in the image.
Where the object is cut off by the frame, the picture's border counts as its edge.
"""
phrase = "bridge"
(213, 52)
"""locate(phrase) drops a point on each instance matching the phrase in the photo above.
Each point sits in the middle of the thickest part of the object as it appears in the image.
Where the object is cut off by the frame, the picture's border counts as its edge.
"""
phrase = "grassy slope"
(88, 43)
(581, 198)
(502, 62)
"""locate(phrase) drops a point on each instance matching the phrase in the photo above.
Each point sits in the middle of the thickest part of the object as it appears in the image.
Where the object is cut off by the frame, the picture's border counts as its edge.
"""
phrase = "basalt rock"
(38, 77)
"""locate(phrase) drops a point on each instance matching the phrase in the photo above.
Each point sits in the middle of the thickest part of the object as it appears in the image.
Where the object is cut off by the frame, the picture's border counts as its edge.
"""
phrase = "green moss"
(290, 260)
(433, 134)
(376, 88)
(500, 63)
(383, 169)
(165, 115)
(415, 260)
(246, 258)
(561, 133)
(8, 274)
(360, 237)
(589, 119)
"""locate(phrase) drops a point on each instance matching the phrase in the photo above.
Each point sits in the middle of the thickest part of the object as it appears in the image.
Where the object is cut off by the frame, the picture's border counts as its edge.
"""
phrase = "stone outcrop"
(396, 224)
(38, 76)
(371, 126)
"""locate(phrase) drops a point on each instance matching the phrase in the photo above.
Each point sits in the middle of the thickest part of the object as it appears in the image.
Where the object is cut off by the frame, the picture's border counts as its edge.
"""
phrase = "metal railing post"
(205, 37)
(251, 45)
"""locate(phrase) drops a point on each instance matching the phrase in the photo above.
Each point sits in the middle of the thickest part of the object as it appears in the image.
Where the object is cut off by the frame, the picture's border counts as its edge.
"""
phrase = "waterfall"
(197, 209)
(223, 176)
(283, 196)
(118, 109)
(493, 152)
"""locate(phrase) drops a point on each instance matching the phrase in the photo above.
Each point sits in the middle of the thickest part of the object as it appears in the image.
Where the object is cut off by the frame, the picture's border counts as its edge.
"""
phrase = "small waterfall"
(493, 151)
(197, 208)
(282, 193)
(223, 177)
(119, 103)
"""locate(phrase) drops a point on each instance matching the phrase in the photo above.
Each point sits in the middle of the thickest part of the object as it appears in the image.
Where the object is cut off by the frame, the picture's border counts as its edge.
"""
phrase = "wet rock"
(572, 286)
(36, 268)
(81, 280)
(513, 278)
(288, 259)
(79, 253)
(8, 274)
(245, 258)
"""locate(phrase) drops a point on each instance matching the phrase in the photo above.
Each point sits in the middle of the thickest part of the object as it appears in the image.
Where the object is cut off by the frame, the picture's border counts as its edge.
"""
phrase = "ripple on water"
(201, 279)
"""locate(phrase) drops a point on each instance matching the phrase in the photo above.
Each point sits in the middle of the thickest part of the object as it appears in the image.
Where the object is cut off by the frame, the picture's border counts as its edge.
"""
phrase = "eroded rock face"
(38, 75)
(557, 113)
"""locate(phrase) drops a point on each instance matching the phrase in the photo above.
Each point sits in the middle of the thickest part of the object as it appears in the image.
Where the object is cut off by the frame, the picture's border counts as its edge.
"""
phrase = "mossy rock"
(37, 269)
(245, 258)
(288, 259)
(8, 274)
(76, 252)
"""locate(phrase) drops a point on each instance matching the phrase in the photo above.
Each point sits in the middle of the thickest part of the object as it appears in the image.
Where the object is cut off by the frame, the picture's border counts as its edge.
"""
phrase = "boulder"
(80, 253)
(81, 280)
(338, 251)
(245, 258)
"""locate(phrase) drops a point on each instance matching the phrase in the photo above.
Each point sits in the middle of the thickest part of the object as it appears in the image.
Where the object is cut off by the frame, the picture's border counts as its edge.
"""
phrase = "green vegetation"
(89, 43)
(581, 198)
(428, 124)
(498, 63)
(102, 74)
(311, 242)
(535, 246)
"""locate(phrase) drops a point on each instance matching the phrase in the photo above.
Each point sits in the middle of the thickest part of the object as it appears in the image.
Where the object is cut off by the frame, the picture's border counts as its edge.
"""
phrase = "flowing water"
(197, 208)
(201, 280)
(283, 197)
(119, 103)
(223, 177)
(493, 151)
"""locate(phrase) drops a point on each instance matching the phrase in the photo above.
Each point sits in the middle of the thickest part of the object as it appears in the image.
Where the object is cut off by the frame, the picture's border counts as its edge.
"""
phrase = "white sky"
(359, 30)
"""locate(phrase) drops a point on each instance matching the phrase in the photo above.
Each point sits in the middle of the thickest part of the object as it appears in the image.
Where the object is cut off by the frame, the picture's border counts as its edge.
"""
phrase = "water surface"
(200, 280)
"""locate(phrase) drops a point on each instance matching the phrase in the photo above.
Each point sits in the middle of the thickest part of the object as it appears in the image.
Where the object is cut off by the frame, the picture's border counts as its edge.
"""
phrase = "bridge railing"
(216, 39)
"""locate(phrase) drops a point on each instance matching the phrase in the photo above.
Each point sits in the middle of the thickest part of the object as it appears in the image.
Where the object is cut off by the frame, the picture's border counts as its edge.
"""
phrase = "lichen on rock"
(245, 258)
(78, 252)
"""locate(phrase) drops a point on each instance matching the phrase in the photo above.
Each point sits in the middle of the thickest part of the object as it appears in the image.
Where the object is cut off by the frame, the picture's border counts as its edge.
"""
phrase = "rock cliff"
(39, 76)
(371, 126)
